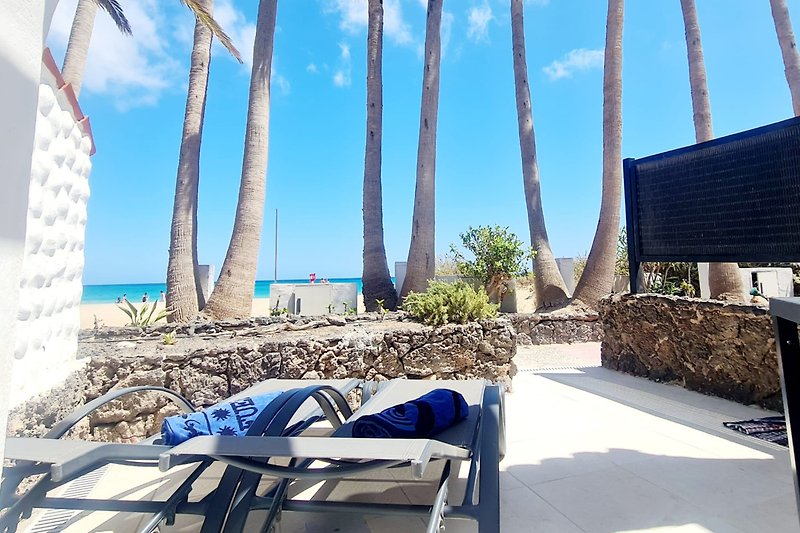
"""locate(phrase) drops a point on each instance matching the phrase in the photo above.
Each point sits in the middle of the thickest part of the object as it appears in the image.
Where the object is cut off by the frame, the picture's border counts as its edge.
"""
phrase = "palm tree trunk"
(422, 252)
(550, 287)
(377, 283)
(233, 294)
(78, 46)
(788, 44)
(723, 278)
(184, 295)
(597, 279)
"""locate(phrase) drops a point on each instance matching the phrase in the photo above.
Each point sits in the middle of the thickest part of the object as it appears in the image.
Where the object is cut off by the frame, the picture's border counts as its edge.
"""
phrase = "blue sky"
(134, 92)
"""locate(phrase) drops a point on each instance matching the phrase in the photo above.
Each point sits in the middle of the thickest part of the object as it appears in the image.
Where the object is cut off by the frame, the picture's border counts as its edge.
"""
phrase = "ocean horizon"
(99, 294)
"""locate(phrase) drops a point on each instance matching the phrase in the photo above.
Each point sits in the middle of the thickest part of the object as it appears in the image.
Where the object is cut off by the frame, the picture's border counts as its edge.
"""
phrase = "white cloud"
(241, 31)
(447, 30)
(136, 69)
(343, 75)
(354, 17)
(574, 61)
(280, 81)
(312, 68)
(353, 13)
(478, 19)
(394, 25)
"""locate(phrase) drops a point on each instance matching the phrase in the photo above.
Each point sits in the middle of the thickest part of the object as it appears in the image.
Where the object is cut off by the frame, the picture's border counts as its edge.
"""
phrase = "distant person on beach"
(324, 280)
(312, 277)
(124, 297)
(145, 297)
(162, 298)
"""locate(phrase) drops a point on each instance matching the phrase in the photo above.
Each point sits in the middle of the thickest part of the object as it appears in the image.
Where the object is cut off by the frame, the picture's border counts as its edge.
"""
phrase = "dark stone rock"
(723, 349)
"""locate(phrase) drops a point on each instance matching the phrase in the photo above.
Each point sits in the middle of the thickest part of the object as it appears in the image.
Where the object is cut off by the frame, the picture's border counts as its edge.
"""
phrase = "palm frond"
(114, 10)
(205, 18)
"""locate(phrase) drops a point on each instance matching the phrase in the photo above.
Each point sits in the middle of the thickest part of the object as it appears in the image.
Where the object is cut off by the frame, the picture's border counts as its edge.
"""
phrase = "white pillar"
(23, 28)
(566, 265)
(702, 271)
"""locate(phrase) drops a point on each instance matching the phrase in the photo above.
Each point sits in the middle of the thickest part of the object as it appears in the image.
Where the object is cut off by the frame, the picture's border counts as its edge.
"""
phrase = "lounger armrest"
(417, 452)
(58, 430)
(70, 457)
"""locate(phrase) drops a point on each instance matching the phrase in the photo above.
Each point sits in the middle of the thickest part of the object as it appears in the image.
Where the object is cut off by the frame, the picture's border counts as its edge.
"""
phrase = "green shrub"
(449, 302)
(498, 254)
(144, 316)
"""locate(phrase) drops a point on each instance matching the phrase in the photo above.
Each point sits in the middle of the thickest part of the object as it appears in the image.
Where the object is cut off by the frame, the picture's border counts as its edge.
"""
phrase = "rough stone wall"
(51, 285)
(718, 348)
(551, 328)
(212, 361)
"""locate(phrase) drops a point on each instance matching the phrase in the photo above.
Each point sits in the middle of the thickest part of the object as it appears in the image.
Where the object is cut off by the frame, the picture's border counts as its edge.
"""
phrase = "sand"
(111, 315)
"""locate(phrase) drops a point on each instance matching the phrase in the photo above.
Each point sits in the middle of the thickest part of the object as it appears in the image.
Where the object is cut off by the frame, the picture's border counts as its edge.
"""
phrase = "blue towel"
(229, 418)
(427, 415)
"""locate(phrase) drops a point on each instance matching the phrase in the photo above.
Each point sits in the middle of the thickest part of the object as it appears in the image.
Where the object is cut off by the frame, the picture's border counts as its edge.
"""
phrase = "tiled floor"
(589, 450)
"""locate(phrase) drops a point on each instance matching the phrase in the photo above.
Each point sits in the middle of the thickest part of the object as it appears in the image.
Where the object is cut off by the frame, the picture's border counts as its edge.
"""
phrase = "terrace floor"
(589, 450)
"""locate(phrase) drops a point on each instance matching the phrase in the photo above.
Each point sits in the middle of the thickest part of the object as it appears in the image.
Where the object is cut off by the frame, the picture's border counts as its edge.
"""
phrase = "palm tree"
(81, 34)
(422, 252)
(597, 279)
(550, 287)
(788, 44)
(723, 278)
(184, 295)
(233, 294)
(377, 283)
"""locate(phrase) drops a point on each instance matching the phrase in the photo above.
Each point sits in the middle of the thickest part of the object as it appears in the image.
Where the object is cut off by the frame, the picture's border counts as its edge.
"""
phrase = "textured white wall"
(52, 270)
(23, 28)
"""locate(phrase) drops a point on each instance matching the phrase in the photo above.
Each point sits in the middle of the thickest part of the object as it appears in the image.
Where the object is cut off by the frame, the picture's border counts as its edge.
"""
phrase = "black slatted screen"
(735, 198)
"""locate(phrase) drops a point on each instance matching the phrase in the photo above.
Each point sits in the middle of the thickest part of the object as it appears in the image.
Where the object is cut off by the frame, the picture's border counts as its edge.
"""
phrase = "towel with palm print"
(229, 418)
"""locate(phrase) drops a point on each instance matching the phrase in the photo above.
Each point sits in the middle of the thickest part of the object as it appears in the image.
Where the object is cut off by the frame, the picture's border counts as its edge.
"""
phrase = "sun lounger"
(284, 455)
(61, 461)
(478, 439)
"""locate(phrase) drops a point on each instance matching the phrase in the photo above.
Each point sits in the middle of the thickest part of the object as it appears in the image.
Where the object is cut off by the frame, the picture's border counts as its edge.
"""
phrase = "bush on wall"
(449, 302)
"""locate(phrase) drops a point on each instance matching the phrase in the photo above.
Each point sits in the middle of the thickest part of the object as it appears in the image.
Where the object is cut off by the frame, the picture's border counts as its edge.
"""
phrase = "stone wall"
(554, 328)
(211, 361)
(46, 339)
(718, 348)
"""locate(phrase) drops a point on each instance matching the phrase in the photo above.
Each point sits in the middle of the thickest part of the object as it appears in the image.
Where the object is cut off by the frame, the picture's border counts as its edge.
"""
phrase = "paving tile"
(721, 484)
(588, 451)
(614, 500)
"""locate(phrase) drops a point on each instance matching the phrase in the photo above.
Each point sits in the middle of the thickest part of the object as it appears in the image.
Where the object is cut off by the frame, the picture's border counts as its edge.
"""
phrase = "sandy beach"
(109, 314)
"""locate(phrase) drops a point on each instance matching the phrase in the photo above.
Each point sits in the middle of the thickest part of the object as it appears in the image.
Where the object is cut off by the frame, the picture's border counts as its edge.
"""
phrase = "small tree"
(499, 257)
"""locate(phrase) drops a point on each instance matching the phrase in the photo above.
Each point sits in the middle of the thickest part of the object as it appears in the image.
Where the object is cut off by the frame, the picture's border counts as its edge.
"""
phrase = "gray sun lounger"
(60, 461)
(479, 439)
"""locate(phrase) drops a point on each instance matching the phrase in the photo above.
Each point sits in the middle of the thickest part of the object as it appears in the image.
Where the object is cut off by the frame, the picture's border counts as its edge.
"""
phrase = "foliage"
(169, 338)
(446, 266)
(675, 279)
(278, 310)
(499, 254)
(580, 265)
(141, 318)
(621, 261)
(348, 310)
(449, 302)
(381, 309)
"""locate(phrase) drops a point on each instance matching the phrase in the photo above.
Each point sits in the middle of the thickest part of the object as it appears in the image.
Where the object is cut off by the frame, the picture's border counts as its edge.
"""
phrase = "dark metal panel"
(736, 198)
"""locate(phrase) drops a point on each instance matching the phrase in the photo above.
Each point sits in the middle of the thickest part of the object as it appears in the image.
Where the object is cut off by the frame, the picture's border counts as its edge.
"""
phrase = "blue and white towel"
(229, 418)
(426, 416)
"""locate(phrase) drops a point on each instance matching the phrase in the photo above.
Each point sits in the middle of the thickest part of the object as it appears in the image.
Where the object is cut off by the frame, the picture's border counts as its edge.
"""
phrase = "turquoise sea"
(99, 294)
